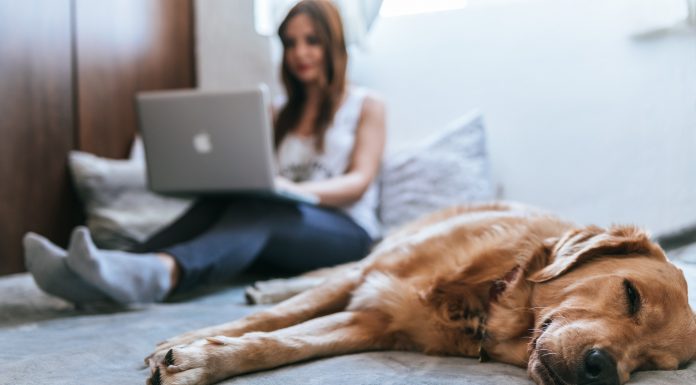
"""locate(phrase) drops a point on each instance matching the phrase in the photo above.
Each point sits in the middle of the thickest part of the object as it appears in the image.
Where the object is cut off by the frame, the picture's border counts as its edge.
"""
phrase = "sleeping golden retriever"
(574, 305)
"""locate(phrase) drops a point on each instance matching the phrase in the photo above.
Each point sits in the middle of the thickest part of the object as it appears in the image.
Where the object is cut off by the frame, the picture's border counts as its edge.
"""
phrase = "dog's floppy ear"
(578, 246)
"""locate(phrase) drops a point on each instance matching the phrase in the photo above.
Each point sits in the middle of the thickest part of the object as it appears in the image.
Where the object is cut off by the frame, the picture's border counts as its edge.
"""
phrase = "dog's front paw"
(192, 364)
(157, 357)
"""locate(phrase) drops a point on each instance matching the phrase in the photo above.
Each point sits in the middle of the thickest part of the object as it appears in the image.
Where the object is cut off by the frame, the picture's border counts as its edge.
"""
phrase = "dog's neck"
(488, 305)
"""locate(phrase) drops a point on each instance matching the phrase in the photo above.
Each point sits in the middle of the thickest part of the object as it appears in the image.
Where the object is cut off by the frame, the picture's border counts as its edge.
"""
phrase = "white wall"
(583, 118)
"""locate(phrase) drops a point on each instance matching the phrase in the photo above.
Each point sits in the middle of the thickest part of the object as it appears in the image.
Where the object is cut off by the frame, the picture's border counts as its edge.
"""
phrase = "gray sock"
(47, 264)
(125, 277)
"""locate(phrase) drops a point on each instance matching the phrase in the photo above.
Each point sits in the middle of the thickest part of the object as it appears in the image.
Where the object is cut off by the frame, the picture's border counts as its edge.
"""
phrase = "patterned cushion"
(448, 168)
(121, 212)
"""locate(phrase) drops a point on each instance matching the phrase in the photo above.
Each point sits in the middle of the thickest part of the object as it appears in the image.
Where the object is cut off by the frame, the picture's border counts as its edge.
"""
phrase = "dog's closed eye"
(633, 297)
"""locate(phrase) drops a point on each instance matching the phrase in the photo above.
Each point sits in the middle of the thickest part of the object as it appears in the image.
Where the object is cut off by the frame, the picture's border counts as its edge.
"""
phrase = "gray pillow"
(450, 167)
(121, 212)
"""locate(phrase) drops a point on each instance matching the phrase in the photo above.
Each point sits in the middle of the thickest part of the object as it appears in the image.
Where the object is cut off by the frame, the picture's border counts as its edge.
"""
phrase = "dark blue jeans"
(216, 239)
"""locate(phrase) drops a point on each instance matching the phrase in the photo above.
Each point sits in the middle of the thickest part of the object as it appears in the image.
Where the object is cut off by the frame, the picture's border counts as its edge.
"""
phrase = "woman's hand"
(286, 185)
(289, 186)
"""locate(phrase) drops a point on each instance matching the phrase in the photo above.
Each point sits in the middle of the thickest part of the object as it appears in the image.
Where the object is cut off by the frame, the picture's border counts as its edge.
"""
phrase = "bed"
(44, 340)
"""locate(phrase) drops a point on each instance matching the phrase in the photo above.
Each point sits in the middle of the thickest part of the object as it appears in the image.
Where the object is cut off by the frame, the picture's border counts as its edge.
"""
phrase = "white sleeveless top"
(298, 160)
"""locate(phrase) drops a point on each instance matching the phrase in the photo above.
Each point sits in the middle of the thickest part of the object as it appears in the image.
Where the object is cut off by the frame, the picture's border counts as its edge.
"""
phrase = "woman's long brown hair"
(329, 30)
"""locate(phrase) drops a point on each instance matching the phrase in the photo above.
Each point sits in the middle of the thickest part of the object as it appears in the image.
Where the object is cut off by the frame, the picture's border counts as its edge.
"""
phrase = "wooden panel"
(124, 46)
(68, 72)
(36, 124)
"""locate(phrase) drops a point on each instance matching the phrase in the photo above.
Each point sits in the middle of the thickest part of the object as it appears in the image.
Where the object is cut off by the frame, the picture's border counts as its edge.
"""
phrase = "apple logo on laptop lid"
(202, 143)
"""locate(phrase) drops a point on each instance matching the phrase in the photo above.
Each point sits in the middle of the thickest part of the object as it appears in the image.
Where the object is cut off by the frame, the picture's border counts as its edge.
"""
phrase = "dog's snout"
(599, 368)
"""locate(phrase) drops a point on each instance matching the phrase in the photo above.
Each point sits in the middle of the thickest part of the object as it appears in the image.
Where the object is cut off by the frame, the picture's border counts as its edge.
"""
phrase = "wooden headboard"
(69, 70)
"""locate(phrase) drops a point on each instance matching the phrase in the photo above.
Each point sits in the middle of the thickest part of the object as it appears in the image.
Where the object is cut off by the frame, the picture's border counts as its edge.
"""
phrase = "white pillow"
(450, 167)
(121, 212)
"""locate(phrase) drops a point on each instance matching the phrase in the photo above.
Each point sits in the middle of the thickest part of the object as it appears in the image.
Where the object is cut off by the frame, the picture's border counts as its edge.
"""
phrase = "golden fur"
(574, 305)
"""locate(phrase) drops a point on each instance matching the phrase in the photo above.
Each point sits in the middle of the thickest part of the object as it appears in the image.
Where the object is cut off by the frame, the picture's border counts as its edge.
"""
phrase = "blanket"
(44, 340)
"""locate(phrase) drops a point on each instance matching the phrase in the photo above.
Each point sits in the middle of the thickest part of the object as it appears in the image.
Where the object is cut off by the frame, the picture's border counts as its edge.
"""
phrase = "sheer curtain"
(358, 17)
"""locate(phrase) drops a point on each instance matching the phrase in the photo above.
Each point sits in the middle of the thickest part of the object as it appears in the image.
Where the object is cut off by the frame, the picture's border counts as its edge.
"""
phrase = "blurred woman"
(329, 140)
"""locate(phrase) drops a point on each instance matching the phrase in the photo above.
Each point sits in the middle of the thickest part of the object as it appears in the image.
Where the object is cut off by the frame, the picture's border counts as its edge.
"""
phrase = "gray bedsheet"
(43, 340)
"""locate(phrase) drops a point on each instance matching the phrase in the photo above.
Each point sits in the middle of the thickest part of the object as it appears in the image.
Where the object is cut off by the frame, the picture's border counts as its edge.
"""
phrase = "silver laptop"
(203, 142)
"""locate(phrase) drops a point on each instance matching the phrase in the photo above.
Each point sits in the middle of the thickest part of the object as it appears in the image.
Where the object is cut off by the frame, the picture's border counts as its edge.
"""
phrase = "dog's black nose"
(599, 368)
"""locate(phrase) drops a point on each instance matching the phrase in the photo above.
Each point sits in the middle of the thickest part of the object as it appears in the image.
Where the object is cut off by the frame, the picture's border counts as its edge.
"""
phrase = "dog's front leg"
(215, 358)
(330, 297)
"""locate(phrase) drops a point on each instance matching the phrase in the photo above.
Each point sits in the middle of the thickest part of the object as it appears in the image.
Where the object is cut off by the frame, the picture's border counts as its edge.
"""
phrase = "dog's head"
(608, 304)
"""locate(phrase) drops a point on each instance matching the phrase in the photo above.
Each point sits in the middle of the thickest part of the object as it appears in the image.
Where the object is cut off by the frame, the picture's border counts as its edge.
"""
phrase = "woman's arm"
(365, 160)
